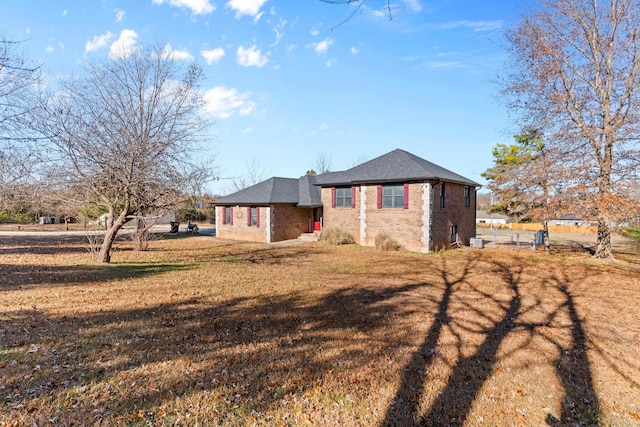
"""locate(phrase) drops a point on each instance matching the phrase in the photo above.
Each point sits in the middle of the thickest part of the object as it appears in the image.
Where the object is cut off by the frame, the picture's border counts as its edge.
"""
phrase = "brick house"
(271, 211)
(421, 205)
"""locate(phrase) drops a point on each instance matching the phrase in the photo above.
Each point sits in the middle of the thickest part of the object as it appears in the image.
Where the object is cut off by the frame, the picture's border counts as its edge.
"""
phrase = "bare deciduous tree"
(574, 73)
(19, 80)
(254, 174)
(125, 130)
(323, 163)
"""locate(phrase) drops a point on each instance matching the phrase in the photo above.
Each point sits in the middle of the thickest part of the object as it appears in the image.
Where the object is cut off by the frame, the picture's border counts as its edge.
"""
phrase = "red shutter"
(379, 196)
(230, 215)
(353, 197)
(258, 216)
(406, 196)
(249, 216)
(333, 197)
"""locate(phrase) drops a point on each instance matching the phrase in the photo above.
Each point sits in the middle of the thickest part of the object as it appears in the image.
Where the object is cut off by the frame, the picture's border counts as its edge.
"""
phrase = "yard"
(198, 331)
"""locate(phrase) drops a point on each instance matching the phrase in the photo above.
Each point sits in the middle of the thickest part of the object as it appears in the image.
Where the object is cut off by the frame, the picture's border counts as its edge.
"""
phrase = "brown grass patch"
(199, 332)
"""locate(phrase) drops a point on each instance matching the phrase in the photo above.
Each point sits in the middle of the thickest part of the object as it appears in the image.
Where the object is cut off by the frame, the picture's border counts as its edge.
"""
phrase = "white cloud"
(246, 7)
(223, 102)
(322, 128)
(49, 49)
(177, 55)
(64, 13)
(199, 7)
(212, 55)
(444, 65)
(329, 63)
(473, 25)
(125, 45)
(354, 50)
(322, 46)
(98, 42)
(278, 29)
(251, 57)
(314, 32)
(414, 5)
(246, 131)
(119, 14)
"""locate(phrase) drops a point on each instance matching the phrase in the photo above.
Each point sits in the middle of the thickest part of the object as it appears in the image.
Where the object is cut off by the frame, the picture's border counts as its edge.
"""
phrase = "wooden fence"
(536, 227)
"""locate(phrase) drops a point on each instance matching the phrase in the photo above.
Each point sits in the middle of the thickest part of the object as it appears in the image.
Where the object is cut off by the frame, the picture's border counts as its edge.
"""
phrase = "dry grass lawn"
(202, 332)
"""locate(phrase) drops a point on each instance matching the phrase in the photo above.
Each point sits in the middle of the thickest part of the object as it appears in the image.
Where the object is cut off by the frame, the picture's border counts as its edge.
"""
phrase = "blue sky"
(286, 83)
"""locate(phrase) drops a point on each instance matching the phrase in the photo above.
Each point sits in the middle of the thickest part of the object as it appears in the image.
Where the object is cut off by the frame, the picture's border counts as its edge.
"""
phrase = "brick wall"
(406, 226)
(454, 213)
(240, 230)
(347, 219)
(403, 225)
(289, 222)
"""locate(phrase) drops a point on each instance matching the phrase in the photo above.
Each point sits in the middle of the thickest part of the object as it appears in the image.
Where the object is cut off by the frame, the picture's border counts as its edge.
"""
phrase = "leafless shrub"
(94, 243)
(142, 235)
(384, 242)
(336, 236)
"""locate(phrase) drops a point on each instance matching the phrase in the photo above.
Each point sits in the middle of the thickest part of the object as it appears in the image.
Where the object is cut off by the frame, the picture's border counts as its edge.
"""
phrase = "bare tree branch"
(359, 4)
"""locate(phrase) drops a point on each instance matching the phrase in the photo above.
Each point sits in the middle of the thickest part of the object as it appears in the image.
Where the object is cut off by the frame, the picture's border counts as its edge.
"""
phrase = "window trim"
(229, 210)
(253, 212)
(340, 201)
(396, 193)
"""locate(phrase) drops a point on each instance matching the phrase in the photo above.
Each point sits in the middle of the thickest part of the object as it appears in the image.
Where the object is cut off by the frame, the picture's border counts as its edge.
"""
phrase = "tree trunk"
(545, 228)
(104, 256)
(603, 245)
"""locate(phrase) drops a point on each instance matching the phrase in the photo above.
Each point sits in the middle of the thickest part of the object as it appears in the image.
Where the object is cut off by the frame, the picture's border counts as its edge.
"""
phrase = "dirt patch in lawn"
(202, 332)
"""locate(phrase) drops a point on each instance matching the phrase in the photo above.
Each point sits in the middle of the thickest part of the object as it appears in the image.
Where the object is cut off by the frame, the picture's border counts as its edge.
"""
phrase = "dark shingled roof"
(300, 192)
(395, 166)
(309, 192)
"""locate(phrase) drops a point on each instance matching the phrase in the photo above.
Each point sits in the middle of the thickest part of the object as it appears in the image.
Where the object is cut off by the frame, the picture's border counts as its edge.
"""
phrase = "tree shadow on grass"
(23, 276)
(245, 358)
(453, 404)
(14, 245)
(404, 407)
(580, 405)
(254, 352)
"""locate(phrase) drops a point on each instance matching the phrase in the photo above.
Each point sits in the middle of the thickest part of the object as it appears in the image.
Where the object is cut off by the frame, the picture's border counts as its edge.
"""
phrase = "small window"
(442, 195)
(228, 215)
(393, 196)
(467, 197)
(454, 234)
(254, 220)
(344, 197)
